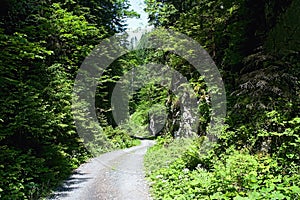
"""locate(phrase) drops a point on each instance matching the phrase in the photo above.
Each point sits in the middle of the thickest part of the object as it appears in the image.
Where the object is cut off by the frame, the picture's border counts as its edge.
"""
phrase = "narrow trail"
(116, 175)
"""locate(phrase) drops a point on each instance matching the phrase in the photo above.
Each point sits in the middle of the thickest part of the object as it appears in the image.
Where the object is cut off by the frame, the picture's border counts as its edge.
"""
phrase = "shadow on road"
(70, 184)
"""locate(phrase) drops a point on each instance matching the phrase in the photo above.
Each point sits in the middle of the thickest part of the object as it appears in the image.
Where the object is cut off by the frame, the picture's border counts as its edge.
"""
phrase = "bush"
(164, 152)
(233, 175)
(109, 139)
(24, 175)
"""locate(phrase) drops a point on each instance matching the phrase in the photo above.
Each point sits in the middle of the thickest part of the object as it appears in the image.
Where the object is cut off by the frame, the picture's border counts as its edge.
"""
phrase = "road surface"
(116, 175)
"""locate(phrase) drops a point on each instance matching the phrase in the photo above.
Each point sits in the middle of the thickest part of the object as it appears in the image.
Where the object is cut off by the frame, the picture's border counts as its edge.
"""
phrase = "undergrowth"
(111, 139)
(31, 175)
(231, 175)
(164, 152)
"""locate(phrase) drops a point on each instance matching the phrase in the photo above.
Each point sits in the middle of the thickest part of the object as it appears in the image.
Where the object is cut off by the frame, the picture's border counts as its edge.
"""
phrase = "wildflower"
(159, 176)
(186, 170)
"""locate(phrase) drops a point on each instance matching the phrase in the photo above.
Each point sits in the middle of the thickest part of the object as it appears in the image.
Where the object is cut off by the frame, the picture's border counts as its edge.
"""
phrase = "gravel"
(116, 175)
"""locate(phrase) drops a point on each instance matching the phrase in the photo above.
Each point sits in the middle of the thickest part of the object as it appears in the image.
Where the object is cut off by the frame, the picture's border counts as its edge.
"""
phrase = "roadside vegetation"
(254, 44)
(43, 43)
(175, 172)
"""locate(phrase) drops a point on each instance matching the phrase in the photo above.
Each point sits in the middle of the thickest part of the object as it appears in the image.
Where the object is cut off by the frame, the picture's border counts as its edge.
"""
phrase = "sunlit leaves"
(42, 46)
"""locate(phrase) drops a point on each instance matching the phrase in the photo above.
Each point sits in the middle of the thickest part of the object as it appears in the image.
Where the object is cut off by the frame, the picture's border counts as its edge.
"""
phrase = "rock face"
(152, 125)
(182, 118)
(157, 119)
(188, 119)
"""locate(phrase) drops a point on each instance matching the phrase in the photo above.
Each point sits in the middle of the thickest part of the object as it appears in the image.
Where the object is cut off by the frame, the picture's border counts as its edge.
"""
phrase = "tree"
(42, 46)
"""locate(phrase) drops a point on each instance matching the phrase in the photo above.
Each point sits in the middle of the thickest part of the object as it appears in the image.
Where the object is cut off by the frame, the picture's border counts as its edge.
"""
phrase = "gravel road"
(116, 175)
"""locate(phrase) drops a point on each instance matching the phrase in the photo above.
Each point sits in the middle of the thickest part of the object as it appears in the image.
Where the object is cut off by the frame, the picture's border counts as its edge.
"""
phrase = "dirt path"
(116, 175)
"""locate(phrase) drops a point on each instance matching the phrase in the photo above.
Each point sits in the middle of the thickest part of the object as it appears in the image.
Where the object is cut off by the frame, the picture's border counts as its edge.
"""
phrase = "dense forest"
(255, 46)
(43, 43)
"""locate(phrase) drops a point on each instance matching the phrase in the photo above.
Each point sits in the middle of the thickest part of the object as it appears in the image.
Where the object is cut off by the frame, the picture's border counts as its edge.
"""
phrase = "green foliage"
(119, 138)
(164, 152)
(110, 138)
(148, 102)
(284, 37)
(42, 45)
(36, 120)
(233, 175)
(26, 175)
(254, 43)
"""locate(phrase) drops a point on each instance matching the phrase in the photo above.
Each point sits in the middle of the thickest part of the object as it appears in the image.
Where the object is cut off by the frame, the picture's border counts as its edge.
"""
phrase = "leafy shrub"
(164, 152)
(234, 175)
(25, 175)
(119, 138)
(109, 139)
